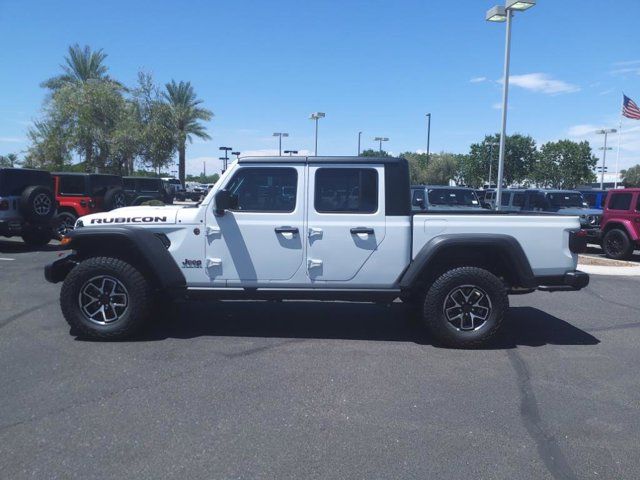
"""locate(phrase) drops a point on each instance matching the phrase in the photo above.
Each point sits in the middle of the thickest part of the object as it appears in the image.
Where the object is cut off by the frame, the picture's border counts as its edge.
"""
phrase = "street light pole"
(605, 132)
(359, 137)
(491, 145)
(316, 116)
(501, 14)
(226, 156)
(428, 134)
(280, 135)
(237, 154)
(291, 152)
(381, 139)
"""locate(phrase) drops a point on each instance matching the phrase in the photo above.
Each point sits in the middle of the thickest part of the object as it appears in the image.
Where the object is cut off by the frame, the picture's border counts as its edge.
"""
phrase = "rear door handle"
(293, 230)
(363, 230)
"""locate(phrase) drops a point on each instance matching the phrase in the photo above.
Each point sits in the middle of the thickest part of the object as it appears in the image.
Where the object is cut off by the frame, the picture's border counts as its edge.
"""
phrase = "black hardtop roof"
(313, 160)
(143, 178)
(24, 170)
(553, 190)
(83, 174)
(457, 187)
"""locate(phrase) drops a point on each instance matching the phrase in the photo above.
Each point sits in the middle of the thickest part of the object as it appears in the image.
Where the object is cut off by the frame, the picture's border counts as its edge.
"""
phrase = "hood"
(141, 215)
(579, 211)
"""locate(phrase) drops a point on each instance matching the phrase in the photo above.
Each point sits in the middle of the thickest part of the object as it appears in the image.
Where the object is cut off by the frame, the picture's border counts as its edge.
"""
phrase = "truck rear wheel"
(465, 306)
(105, 298)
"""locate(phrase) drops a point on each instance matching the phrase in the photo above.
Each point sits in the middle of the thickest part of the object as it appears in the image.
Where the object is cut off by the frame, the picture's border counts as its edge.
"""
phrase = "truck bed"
(534, 232)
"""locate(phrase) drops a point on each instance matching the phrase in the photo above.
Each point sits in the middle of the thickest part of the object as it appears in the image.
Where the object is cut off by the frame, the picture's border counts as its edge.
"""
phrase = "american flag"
(630, 109)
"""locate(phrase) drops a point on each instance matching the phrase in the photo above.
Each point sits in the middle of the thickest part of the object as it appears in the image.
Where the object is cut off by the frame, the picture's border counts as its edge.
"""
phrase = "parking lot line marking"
(7, 259)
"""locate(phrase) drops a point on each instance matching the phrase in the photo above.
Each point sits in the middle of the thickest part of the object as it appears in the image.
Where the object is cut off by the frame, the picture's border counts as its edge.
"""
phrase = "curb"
(605, 270)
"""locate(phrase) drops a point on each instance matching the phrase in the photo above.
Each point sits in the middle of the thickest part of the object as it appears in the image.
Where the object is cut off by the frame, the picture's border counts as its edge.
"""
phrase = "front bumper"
(592, 234)
(57, 271)
(570, 281)
(11, 227)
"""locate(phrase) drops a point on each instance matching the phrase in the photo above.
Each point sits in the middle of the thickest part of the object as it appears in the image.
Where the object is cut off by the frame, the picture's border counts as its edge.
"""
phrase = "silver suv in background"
(434, 198)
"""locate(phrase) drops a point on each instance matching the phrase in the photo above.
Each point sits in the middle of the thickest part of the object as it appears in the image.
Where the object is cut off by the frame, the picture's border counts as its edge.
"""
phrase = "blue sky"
(372, 66)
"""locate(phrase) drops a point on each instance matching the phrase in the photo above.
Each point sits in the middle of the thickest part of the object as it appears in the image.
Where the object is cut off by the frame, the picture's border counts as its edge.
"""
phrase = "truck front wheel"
(105, 298)
(465, 306)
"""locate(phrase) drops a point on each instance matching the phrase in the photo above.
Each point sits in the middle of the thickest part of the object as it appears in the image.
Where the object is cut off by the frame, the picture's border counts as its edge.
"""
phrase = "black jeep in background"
(143, 189)
(27, 205)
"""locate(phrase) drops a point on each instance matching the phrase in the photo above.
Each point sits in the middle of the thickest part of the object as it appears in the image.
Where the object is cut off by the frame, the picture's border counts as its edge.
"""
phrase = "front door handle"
(362, 230)
(293, 230)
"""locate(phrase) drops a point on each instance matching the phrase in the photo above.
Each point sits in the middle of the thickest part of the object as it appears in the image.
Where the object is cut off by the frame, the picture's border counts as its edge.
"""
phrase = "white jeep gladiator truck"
(325, 228)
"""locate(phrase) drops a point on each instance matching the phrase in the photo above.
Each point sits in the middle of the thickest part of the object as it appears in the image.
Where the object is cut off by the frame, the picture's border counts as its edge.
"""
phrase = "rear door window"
(148, 185)
(72, 185)
(129, 184)
(346, 190)
(620, 201)
(518, 199)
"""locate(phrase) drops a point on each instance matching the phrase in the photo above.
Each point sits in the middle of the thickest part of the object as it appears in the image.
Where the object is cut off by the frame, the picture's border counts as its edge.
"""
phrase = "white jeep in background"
(323, 228)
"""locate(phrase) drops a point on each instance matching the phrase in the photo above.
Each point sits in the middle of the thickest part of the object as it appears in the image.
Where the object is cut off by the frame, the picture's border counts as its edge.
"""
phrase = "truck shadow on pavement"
(347, 321)
(20, 247)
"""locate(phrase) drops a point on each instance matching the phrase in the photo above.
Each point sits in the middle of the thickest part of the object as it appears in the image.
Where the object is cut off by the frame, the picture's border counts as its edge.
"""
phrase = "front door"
(259, 240)
(345, 220)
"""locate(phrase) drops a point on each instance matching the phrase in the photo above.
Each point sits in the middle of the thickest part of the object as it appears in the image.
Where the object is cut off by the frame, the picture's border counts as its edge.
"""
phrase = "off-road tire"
(65, 218)
(37, 204)
(114, 198)
(434, 315)
(616, 244)
(139, 306)
(37, 237)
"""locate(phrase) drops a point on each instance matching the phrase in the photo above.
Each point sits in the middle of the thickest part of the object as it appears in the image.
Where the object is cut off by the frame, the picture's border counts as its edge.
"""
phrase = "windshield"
(566, 200)
(454, 197)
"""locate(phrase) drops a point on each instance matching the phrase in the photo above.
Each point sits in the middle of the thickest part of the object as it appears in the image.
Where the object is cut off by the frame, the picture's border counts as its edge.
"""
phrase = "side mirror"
(224, 201)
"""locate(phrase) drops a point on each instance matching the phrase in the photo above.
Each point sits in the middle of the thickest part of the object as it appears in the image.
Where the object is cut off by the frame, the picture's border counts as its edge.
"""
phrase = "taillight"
(578, 241)
(4, 204)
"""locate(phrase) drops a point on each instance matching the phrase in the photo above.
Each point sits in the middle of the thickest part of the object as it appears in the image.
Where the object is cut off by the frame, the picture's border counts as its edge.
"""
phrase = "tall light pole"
(428, 115)
(237, 154)
(226, 151)
(501, 14)
(605, 132)
(359, 137)
(316, 116)
(381, 139)
(280, 135)
(491, 145)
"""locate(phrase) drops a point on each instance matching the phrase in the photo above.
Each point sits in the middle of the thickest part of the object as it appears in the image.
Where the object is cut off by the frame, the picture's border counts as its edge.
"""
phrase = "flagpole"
(615, 180)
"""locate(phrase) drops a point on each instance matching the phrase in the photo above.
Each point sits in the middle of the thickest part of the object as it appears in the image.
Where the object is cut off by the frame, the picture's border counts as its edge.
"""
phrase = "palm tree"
(186, 116)
(81, 65)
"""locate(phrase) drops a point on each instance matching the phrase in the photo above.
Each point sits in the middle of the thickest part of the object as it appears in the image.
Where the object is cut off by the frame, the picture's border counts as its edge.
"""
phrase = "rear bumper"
(57, 271)
(570, 281)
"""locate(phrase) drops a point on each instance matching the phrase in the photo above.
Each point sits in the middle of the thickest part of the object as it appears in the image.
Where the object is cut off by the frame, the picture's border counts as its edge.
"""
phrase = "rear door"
(346, 219)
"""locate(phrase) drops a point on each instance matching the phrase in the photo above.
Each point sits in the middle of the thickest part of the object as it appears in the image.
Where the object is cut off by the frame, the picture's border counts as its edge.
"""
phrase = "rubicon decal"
(129, 220)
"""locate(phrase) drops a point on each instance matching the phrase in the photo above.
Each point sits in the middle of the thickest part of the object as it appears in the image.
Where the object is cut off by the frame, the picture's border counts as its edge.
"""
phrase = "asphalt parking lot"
(309, 390)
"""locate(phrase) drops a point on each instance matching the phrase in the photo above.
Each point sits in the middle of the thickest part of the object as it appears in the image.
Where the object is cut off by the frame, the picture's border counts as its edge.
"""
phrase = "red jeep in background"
(620, 225)
(79, 194)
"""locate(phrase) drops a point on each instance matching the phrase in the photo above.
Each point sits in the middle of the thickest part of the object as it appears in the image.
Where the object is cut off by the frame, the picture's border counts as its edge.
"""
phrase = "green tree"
(564, 164)
(82, 64)
(186, 116)
(49, 148)
(631, 176)
(442, 168)
(374, 153)
(9, 160)
(520, 159)
(417, 166)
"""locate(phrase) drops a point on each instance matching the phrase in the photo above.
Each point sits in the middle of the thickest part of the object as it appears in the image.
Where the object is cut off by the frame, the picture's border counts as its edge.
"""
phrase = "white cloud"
(541, 82)
(267, 152)
(12, 139)
(629, 141)
(626, 71)
(478, 79)
(627, 63)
